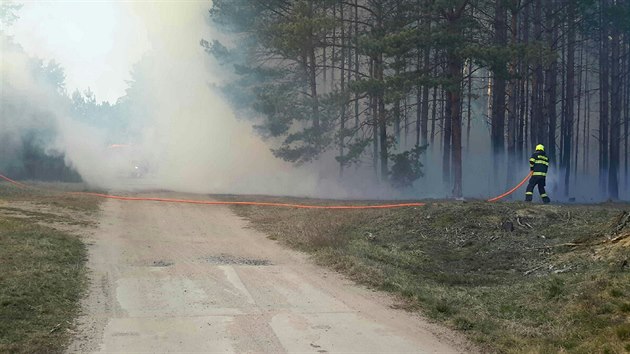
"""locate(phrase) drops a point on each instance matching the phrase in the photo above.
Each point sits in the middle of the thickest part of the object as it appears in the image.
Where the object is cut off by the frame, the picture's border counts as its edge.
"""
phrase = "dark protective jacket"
(539, 163)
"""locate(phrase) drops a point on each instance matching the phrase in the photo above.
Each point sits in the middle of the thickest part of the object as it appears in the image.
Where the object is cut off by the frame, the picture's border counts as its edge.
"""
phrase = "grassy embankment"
(514, 278)
(42, 273)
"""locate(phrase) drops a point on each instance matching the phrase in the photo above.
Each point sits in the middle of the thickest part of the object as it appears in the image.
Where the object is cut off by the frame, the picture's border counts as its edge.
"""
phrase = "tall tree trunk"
(383, 138)
(433, 114)
(333, 59)
(615, 116)
(447, 137)
(469, 104)
(379, 67)
(498, 89)
(587, 118)
(579, 112)
(356, 61)
(375, 125)
(418, 97)
(488, 96)
(405, 120)
(313, 84)
(513, 99)
(382, 120)
(453, 97)
(528, 119)
(626, 125)
(342, 123)
(524, 95)
(563, 94)
(551, 81)
(396, 112)
(604, 77)
(425, 88)
(456, 130)
(311, 68)
(570, 95)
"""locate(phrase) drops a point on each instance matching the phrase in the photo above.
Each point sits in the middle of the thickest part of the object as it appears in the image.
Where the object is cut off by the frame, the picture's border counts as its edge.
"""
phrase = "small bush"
(463, 324)
(406, 167)
(623, 331)
(616, 293)
(443, 307)
(555, 288)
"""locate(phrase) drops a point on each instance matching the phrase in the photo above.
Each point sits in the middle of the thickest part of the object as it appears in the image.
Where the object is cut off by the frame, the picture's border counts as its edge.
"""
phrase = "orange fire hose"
(286, 205)
(206, 202)
(20, 185)
(511, 190)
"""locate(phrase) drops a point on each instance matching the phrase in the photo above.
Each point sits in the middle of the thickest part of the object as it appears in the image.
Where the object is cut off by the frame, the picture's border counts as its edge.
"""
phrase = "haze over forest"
(332, 98)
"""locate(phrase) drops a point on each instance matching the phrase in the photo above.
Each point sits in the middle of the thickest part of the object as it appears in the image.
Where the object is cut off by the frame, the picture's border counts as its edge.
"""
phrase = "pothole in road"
(232, 260)
(161, 263)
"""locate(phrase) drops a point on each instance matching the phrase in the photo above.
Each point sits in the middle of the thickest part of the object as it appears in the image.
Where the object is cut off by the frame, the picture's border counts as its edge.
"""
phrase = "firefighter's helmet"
(540, 147)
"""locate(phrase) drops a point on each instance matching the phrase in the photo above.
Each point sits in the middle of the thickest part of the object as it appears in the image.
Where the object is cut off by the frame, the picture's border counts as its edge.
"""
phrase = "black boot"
(528, 197)
(546, 200)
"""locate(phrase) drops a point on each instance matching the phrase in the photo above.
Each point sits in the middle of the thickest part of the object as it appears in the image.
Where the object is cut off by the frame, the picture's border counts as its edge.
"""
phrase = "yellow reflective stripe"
(544, 195)
(532, 159)
(529, 193)
(540, 173)
(543, 158)
(542, 162)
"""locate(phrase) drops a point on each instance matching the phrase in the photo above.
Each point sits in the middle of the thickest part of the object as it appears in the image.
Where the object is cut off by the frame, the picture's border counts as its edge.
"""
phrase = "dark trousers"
(539, 181)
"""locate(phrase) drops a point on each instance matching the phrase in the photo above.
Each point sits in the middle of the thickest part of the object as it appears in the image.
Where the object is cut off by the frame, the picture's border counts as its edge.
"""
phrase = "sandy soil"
(194, 278)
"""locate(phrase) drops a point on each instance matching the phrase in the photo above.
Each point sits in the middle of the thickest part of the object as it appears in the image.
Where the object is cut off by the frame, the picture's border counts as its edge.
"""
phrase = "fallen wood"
(619, 238)
(55, 328)
(532, 270)
(568, 244)
(564, 270)
(523, 224)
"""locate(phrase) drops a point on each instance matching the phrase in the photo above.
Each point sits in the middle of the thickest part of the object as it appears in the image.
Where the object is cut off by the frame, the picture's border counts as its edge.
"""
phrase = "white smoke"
(185, 137)
(190, 139)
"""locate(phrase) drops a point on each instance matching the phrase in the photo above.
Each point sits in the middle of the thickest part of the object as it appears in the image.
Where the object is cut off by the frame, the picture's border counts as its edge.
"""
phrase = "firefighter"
(538, 164)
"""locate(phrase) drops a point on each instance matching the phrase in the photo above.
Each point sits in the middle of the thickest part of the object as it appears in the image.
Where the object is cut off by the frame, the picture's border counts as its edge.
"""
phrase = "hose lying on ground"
(270, 204)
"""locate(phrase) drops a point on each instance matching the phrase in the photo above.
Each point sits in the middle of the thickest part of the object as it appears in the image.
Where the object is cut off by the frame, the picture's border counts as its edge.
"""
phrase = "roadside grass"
(41, 281)
(50, 194)
(42, 268)
(514, 277)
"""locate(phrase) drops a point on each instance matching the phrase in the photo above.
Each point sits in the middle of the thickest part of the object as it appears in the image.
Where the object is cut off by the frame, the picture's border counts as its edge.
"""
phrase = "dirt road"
(194, 278)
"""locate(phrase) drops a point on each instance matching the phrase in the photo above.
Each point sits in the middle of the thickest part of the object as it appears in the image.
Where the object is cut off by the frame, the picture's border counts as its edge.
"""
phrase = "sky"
(96, 42)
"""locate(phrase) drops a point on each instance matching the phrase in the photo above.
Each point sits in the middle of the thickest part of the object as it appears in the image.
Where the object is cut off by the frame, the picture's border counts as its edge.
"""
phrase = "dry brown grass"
(553, 284)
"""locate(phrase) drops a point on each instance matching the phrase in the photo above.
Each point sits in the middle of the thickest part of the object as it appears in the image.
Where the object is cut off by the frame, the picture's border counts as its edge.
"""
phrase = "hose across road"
(286, 205)
(264, 204)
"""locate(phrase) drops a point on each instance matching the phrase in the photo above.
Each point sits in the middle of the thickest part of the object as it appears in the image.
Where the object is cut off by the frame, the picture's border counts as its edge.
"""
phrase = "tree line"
(378, 82)
(27, 132)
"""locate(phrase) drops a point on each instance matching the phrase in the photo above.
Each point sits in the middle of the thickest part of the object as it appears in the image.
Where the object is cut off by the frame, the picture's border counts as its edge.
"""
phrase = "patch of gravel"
(231, 260)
